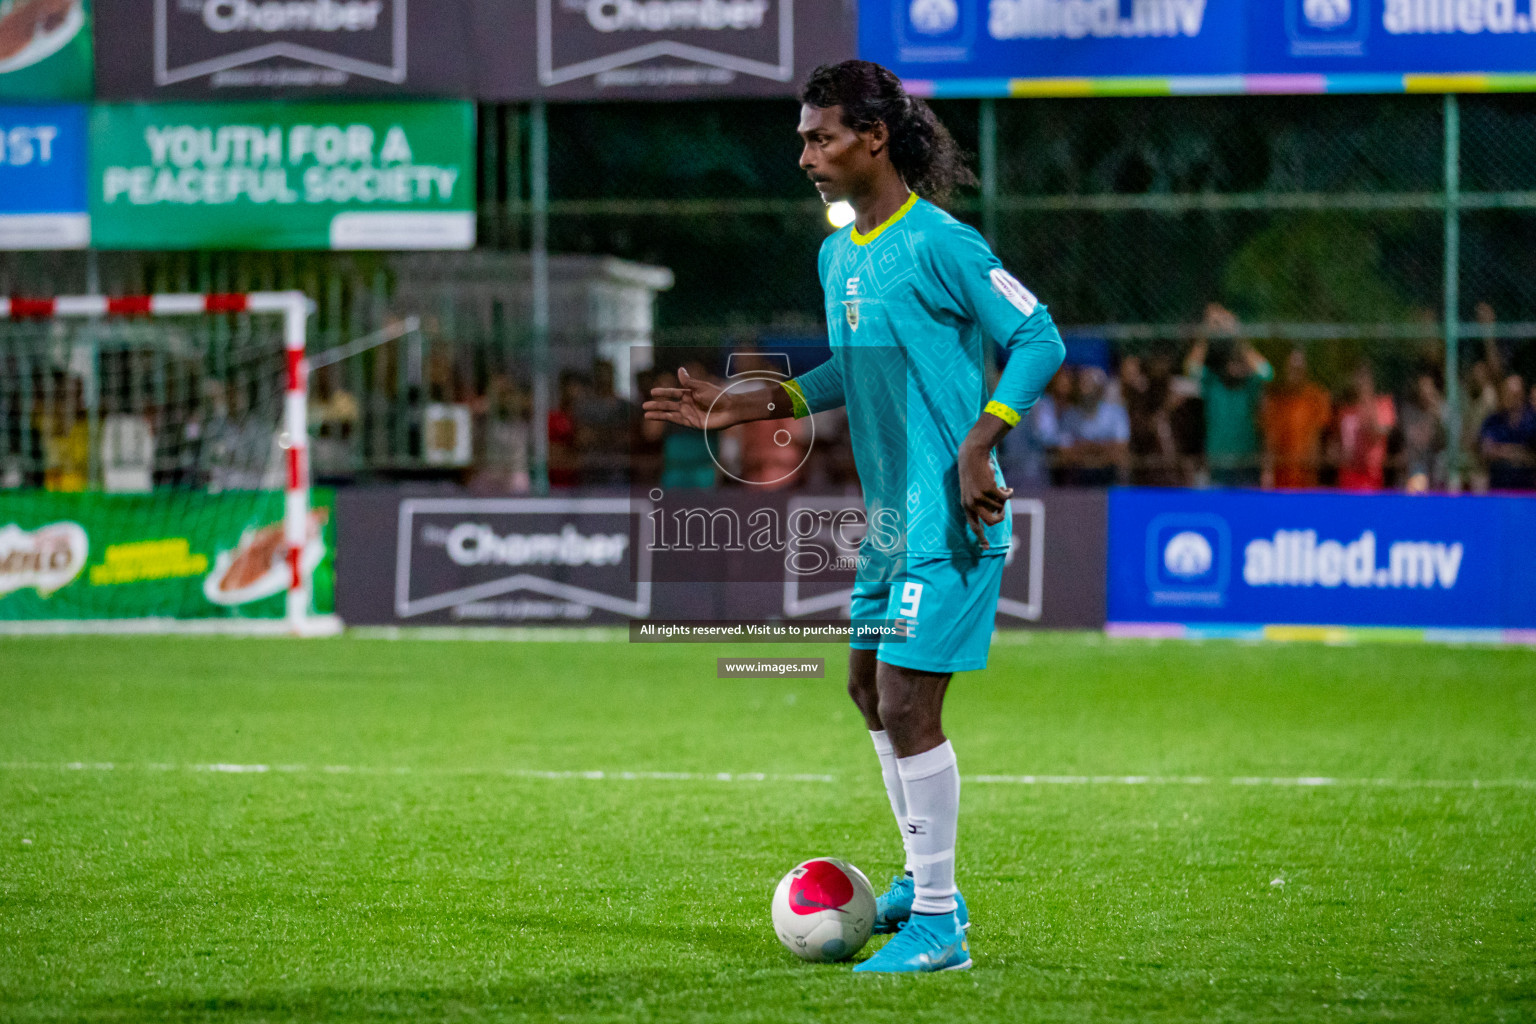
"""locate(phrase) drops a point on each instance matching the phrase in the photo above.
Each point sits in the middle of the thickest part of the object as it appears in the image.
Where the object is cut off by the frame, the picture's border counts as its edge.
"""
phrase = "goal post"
(33, 362)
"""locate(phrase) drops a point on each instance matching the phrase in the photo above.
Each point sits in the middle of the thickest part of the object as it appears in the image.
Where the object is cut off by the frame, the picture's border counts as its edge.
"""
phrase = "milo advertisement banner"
(45, 49)
(191, 556)
(283, 176)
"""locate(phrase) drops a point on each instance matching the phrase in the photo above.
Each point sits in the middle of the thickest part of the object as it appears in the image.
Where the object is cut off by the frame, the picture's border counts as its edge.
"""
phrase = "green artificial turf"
(400, 861)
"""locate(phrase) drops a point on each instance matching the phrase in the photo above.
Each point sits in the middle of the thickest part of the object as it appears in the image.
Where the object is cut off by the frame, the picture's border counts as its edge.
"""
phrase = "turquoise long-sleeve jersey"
(909, 308)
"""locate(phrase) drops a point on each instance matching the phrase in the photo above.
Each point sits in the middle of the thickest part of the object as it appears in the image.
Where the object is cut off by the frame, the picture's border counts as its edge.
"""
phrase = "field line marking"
(609, 775)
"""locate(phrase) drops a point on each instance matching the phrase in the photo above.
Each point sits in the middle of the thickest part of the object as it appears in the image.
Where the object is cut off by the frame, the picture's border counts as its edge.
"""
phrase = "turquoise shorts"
(946, 606)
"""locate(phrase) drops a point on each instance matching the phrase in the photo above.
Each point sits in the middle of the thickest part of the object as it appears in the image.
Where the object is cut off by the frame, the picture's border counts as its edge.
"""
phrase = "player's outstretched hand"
(693, 403)
(985, 503)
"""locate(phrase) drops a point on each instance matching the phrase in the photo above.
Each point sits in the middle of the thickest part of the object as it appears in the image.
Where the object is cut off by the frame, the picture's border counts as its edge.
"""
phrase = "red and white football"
(823, 910)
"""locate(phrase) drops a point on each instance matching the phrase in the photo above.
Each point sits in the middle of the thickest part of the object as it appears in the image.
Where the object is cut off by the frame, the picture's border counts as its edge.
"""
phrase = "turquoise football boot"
(894, 906)
(926, 942)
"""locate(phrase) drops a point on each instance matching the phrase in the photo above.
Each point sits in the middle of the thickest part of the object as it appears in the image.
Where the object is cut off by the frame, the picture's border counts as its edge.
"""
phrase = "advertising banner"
(488, 561)
(45, 50)
(42, 178)
(1234, 558)
(461, 561)
(656, 49)
(283, 176)
(1053, 38)
(191, 556)
(264, 49)
(1394, 38)
(1153, 47)
(1053, 576)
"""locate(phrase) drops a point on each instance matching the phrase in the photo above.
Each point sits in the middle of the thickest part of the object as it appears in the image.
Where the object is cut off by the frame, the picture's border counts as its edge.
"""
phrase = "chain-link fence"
(1332, 224)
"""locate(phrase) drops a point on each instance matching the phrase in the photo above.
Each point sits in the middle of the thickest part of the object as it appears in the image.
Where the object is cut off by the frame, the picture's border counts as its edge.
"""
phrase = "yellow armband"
(1003, 413)
(797, 398)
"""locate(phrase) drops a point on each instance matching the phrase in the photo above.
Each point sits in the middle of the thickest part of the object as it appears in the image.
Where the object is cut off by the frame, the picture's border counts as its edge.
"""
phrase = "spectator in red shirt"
(564, 459)
(1364, 426)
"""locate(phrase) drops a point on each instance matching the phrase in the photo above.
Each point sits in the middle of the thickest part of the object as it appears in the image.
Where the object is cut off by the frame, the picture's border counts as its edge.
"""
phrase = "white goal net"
(153, 466)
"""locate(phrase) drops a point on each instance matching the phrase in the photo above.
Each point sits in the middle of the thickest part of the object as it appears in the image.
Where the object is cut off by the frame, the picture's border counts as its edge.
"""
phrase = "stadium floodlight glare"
(291, 429)
(840, 214)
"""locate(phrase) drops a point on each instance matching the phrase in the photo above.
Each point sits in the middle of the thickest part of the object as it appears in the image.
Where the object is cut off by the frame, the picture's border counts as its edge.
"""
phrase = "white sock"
(893, 790)
(932, 784)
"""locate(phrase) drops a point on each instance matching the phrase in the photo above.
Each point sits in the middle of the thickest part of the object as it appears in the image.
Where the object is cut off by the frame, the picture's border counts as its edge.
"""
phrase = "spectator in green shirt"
(1232, 393)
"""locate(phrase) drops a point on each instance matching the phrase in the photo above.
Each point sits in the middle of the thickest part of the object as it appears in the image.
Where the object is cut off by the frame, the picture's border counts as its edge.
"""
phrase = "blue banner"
(1251, 557)
(1088, 47)
(1401, 37)
(1052, 38)
(42, 178)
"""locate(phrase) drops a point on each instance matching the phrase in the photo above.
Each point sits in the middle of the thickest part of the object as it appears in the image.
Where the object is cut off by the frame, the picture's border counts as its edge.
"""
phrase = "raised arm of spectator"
(1194, 362)
(1487, 318)
(1257, 363)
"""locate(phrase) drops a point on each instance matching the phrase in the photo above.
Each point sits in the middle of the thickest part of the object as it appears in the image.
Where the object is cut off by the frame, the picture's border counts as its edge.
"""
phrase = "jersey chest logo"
(851, 303)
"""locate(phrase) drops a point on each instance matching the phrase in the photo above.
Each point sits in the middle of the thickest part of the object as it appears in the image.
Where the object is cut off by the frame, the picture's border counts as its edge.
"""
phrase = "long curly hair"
(922, 150)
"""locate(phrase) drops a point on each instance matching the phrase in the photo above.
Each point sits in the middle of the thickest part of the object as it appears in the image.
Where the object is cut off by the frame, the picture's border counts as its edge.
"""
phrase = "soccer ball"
(823, 910)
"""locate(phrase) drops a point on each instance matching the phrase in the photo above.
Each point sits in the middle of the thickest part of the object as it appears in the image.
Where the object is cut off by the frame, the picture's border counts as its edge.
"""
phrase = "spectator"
(685, 456)
(769, 453)
(1295, 414)
(1150, 400)
(1480, 402)
(831, 464)
(248, 456)
(1232, 394)
(333, 420)
(507, 441)
(1026, 452)
(1364, 427)
(1424, 436)
(1509, 440)
(1186, 418)
(66, 438)
(773, 452)
(645, 437)
(1497, 352)
(1095, 433)
(564, 456)
(602, 420)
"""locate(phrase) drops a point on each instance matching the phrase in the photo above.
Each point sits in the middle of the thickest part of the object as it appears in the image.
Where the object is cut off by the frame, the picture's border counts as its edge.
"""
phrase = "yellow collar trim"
(859, 239)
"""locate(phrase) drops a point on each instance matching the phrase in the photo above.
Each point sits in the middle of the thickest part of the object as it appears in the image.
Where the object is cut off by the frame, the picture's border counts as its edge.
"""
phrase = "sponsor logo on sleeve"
(1006, 285)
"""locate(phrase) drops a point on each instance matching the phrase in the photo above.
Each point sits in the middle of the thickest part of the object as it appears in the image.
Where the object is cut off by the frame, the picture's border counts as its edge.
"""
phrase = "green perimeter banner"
(45, 50)
(283, 176)
(131, 556)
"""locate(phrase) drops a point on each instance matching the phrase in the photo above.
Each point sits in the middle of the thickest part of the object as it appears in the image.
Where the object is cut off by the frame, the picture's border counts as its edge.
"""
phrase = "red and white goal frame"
(294, 307)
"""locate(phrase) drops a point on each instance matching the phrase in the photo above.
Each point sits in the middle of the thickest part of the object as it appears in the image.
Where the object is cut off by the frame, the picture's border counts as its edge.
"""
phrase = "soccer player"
(911, 297)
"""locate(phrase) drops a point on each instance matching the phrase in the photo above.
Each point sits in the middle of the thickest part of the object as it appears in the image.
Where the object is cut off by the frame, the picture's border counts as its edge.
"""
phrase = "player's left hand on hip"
(984, 501)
